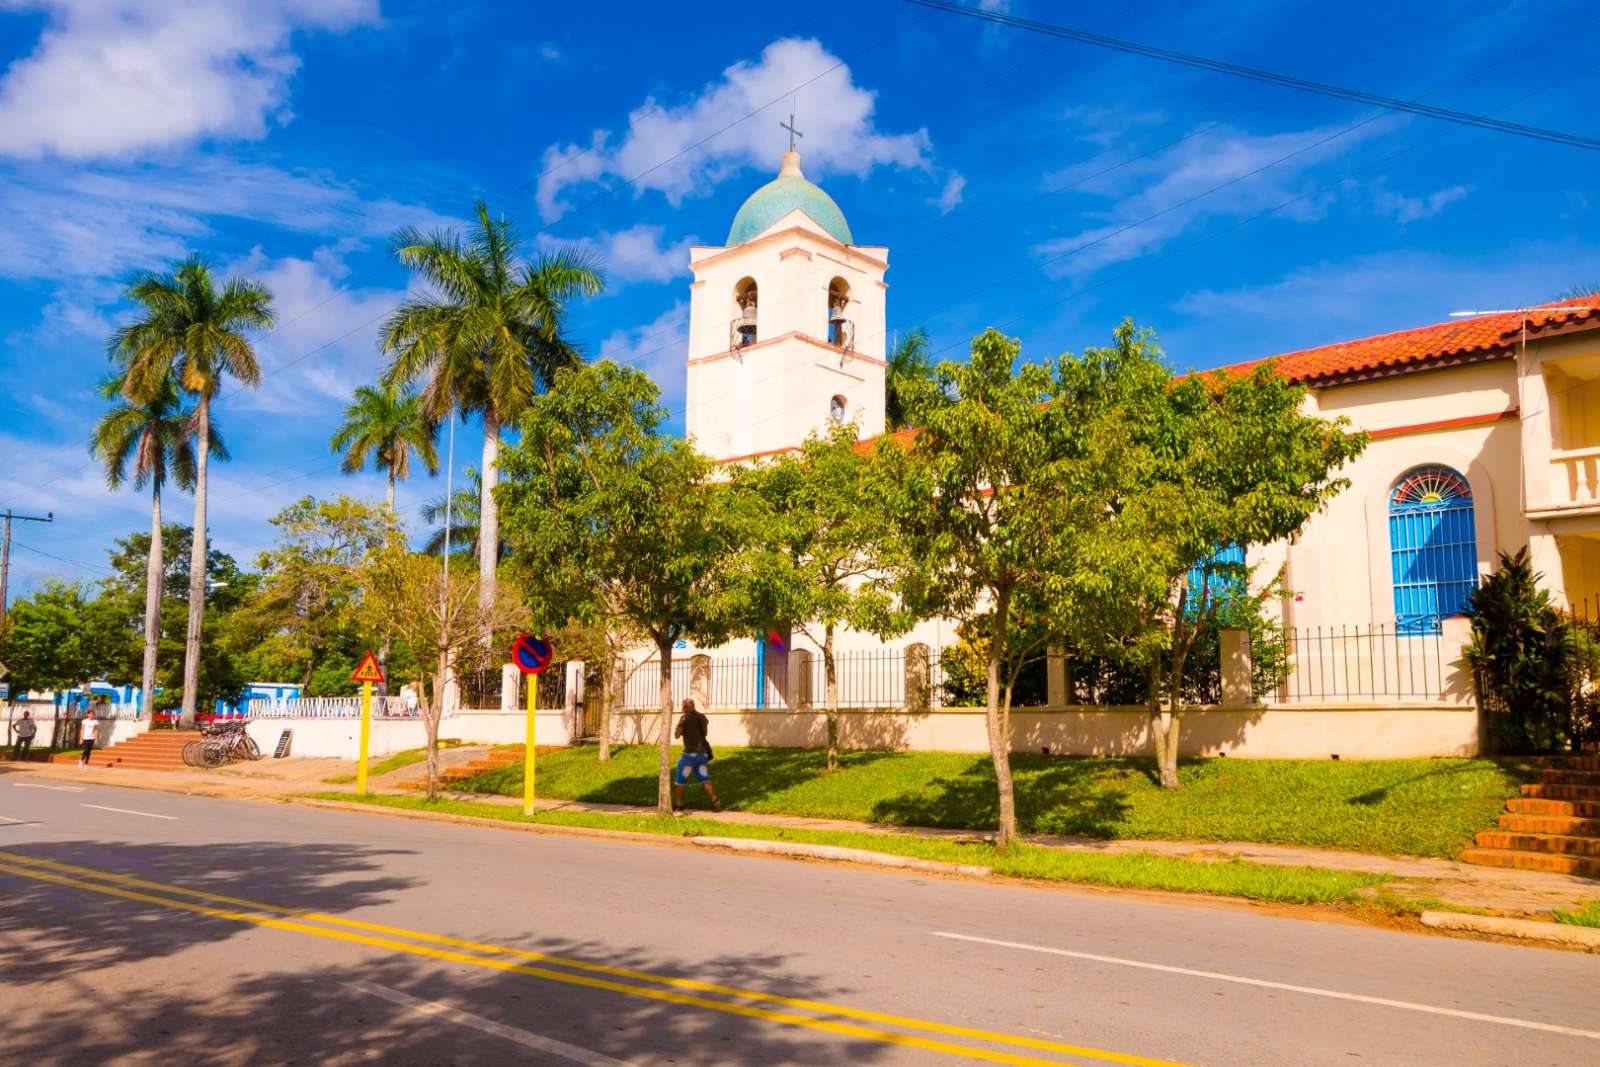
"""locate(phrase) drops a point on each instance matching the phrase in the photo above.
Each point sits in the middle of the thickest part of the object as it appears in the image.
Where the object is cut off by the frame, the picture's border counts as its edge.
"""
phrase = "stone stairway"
(1553, 826)
(493, 760)
(154, 750)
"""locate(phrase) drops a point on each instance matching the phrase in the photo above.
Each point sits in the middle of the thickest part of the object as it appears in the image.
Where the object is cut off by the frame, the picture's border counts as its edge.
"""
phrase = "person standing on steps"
(90, 732)
(24, 729)
(696, 758)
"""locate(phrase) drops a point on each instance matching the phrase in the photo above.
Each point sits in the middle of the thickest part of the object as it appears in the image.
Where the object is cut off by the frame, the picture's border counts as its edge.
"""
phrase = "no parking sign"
(531, 654)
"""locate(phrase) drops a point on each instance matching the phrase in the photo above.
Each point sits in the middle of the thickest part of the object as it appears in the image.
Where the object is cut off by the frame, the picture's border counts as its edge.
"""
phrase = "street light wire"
(1288, 81)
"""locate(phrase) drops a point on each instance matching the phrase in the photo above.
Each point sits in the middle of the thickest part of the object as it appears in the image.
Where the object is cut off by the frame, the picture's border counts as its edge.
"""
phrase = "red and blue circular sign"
(531, 654)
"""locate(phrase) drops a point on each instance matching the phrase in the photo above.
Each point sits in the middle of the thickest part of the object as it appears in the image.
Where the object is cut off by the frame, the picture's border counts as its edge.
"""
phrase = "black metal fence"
(481, 689)
(1372, 663)
(873, 678)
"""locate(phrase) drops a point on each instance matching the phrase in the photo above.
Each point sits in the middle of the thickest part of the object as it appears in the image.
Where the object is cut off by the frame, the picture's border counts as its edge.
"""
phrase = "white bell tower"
(786, 325)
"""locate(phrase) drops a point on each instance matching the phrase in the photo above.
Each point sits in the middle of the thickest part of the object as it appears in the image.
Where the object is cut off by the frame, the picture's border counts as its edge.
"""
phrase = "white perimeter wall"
(342, 737)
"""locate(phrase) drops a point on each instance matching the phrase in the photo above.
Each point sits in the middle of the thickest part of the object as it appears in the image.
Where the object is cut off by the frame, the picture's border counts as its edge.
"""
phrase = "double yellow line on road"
(750, 1003)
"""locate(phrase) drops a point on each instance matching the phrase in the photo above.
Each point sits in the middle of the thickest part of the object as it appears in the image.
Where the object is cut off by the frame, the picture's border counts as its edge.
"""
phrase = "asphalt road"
(143, 927)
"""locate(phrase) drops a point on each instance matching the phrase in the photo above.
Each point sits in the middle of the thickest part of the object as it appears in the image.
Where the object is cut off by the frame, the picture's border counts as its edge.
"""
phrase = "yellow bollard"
(366, 737)
(527, 756)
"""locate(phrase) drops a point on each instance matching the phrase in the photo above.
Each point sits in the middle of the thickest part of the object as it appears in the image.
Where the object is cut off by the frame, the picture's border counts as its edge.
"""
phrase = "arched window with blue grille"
(1433, 547)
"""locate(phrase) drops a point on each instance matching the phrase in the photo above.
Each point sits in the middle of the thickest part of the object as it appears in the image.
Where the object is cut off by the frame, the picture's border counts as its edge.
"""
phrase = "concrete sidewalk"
(1453, 883)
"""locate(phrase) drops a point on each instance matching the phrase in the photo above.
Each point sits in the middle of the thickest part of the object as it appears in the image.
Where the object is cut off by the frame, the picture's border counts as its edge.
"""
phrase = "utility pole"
(5, 555)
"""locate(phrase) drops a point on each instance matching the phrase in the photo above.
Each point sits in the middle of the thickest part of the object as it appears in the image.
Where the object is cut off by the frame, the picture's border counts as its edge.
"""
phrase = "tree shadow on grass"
(389, 1007)
(1519, 770)
(62, 929)
(1083, 798)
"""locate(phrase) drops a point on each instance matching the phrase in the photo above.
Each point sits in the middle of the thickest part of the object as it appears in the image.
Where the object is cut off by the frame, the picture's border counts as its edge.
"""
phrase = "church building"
(1485, 430)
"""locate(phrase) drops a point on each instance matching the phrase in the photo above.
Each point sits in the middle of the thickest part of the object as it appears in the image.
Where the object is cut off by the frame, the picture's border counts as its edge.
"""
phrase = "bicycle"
(221, 743)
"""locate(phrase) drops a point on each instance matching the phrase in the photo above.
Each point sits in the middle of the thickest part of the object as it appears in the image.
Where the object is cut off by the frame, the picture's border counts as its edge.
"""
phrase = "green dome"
(774, 200)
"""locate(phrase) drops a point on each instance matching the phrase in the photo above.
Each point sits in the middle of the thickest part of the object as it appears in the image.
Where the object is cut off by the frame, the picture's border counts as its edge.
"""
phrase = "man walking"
(24, 729)
(90, 734)
(696, 758)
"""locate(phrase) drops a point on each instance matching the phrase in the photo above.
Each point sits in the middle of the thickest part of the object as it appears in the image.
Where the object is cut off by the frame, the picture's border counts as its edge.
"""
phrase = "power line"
(1389, 103)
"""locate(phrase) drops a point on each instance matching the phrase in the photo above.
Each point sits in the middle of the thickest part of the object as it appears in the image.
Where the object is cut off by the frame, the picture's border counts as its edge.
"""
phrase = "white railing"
(383, 707)
(1575, 477)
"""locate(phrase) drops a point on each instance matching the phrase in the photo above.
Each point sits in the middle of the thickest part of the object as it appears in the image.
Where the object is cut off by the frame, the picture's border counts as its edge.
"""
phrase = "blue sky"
(1041, 186)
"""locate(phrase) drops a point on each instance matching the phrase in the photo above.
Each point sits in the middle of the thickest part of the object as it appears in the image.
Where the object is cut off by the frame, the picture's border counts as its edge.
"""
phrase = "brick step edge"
(1569, 777)
(1562, 792)
(1549, 862)
(1581, 809)
(1565, 825)
(1523, 929)
(1551, 844)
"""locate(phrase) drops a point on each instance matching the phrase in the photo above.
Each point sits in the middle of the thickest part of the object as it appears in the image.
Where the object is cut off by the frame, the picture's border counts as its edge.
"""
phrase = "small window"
(836, 408)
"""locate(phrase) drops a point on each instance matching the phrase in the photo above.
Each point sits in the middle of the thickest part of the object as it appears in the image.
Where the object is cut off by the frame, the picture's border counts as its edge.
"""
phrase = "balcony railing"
(1575, 477)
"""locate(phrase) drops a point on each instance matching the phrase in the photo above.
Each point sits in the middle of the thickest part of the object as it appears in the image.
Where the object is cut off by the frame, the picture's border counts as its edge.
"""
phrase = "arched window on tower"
(1433, 547)
(841, 331)
(743, 330)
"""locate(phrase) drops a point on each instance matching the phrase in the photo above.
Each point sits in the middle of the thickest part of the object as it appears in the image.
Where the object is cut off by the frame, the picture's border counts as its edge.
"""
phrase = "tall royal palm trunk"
(488, 518)
(153, 574)
(197, 567)
(390, 498)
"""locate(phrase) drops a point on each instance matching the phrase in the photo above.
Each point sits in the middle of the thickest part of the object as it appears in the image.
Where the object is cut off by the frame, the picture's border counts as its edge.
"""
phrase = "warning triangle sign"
(369, 671)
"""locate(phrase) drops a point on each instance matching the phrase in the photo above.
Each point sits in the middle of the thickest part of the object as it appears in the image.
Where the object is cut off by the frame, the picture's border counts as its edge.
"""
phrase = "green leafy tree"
(44, 638)
(815, 551)
(464, 510)
(487, 338)
(906, 378)
(192, 332)
(390, 427)
(614, 523)
(311, 579)
(440, 628)
(1201, 461)
(987, 507)
(150, 441)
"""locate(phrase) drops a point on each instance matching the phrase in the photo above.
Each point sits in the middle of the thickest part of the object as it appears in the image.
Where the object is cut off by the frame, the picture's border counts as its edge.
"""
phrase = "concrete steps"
(156, 750)
(1553, 826)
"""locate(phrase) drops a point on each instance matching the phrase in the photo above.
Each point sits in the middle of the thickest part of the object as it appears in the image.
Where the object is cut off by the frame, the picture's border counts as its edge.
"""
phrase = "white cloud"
(656, 348)
(326, 341)
(632, 255)
(1227, 174)
(663, 150)
(950, 195)
(110, 77)
(1403, 209)
(1104, 125)
(77, 223)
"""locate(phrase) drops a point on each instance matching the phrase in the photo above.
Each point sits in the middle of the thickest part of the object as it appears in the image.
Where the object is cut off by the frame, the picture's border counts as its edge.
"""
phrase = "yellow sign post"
(366, 674)
(527, 756)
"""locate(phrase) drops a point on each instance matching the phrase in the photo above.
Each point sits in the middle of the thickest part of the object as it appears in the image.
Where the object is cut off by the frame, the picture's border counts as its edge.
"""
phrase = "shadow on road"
(270, 1007)
(54, 931)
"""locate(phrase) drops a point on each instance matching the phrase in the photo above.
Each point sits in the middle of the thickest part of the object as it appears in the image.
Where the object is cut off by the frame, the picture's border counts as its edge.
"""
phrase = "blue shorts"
(697, 762)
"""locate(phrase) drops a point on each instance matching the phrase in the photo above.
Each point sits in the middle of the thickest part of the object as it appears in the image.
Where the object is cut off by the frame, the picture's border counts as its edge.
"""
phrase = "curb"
(835, 852)
(1522, 929)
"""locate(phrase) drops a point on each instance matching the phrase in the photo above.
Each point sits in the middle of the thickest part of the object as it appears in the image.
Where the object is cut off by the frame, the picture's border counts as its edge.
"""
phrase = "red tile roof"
(1443, 344)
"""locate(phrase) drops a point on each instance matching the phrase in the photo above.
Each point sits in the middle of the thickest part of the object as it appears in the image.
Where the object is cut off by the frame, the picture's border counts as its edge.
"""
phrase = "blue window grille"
(1222, 584)
(1433, 548)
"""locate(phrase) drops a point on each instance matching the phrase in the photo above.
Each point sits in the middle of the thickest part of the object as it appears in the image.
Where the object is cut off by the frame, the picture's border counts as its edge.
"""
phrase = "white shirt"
(91, 729)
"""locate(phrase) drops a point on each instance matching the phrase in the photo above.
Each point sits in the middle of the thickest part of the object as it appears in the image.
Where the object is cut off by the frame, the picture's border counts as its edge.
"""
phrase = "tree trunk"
(999, 742)
(664, 774)
(1174, 718)
(197, 568)
(608, 674)
(833, 697)
(488, 519)
(154, 575)
(390, 498)
(432, 712)
(1163, 731)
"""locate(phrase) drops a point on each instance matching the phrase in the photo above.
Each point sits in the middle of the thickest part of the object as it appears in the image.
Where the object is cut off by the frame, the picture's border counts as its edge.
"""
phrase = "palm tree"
(192, 334)
(488, 337)
(156, 437)
(908, 371)
(391, 427)
(464, 517)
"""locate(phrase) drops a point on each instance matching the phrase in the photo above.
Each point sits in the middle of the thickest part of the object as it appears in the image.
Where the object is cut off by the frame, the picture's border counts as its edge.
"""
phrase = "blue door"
(1433, 548)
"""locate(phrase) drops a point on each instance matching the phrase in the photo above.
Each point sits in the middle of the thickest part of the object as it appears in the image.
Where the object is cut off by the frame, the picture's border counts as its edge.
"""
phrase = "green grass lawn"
(1588, 915)
(1252, 881)
(1407, 807)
